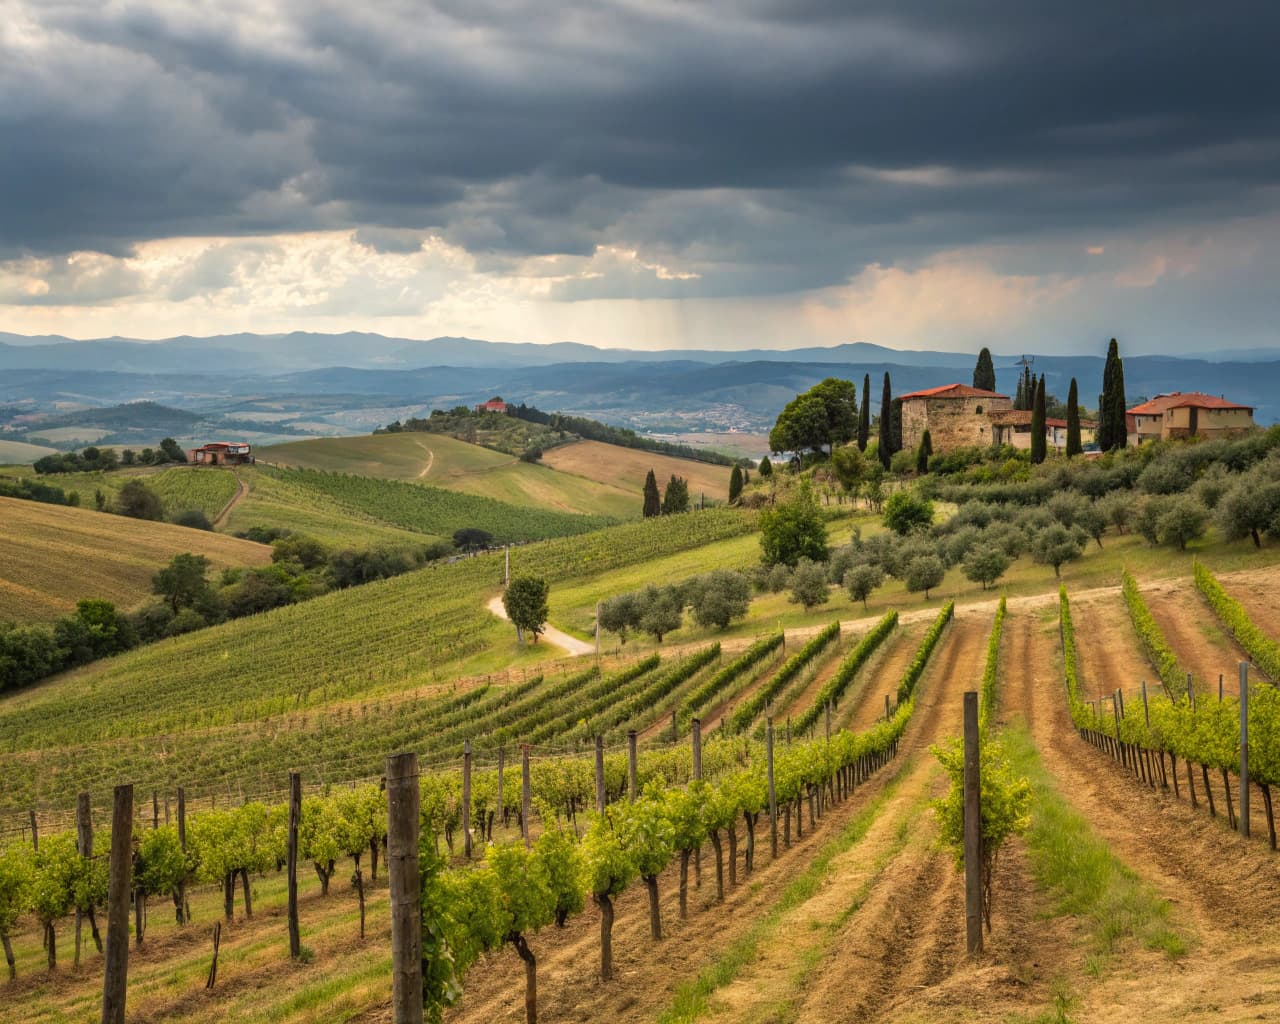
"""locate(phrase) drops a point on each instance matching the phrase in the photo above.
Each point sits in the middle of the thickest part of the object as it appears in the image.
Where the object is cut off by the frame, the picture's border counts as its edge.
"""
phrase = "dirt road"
(549, 633)
(242, 492)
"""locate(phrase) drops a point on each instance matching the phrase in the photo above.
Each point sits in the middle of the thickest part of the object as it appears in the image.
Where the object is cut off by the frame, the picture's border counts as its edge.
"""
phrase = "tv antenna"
(1026, 363)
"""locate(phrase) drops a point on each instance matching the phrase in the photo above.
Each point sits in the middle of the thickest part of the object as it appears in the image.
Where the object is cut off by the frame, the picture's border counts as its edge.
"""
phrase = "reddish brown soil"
(1225, 890)
(1202, 644)
(829, 662)
(865, 700)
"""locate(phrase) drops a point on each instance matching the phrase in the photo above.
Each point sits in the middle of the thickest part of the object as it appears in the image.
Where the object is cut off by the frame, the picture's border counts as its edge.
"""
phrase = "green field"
(444, 461)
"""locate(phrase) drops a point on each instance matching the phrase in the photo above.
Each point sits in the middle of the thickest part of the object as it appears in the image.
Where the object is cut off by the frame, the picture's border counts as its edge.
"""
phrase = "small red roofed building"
(494, 404)
(956, 416)
(1187, 414)
(221, 453)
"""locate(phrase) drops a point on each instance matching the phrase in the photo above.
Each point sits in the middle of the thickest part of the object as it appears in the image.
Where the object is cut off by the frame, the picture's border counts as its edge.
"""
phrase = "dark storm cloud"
(768, 146)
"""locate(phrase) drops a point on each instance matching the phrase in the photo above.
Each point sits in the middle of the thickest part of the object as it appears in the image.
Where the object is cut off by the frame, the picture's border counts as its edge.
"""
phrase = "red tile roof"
(954, 391)
(1179, 400)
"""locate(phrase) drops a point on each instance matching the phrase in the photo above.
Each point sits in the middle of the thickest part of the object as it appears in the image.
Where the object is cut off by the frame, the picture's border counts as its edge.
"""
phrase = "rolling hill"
(443, 461)
(51, 556)
(625, 469)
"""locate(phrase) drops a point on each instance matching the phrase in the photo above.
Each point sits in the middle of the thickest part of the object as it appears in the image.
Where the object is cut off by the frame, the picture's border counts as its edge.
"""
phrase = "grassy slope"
(625, 468)
(446, 462)
(17, 452)
(419, 629)
(52, 556)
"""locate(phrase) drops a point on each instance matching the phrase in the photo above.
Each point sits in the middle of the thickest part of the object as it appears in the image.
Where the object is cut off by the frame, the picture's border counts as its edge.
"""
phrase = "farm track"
(431, 459)
(865, 705)
(1202, 644)
(1225, 890)
(883, 932)
(242, 492)
(558, 637)
(1110, 655)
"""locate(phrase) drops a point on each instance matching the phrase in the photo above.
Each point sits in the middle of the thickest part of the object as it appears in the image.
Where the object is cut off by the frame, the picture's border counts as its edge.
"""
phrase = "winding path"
(558, 637)
(242, 492)
(431, 459)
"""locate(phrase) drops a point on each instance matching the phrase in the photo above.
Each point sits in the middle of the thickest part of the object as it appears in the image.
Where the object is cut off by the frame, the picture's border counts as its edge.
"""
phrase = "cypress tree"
(864, 414)
(652, 499)
(735, 484)
(766, 467)
(1073, 421)
(984, 374)
(886, 424)
(1105, 439)
(1038, 441)
(1116, 405)
(1018, 398)
(923, 453)
(895, 423)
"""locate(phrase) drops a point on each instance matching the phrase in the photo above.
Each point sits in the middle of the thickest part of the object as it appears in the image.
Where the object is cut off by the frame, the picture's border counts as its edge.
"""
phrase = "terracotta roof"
(1180, 400)
(954, 391)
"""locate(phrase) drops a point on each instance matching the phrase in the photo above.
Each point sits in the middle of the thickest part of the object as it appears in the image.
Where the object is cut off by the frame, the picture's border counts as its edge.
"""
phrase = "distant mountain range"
(352, 381)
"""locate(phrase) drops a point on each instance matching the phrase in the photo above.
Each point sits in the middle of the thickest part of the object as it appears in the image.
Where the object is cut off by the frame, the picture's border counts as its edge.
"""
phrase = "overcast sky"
(692, 174)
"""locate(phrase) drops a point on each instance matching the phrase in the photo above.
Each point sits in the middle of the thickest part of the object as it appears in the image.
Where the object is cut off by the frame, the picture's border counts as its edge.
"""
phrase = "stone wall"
(952, 422)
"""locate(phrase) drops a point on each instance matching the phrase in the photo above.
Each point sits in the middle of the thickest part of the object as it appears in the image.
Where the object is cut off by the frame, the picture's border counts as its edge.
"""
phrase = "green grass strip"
(1079, 869)
(692, 998)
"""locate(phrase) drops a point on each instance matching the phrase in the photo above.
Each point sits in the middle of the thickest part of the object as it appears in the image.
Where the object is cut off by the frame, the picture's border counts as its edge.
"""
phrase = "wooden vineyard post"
(466, 799)
(116, 958)
(632, 776)
(773, 793)
(697, 748)
(1220, 693)
(403, 799)
(524, 794)
(1244, 749)
(502, 758)
(1146, 709)
(35, 831)
(295, 817)
(183, 916)
(1191, 692)
(597, 632)
(155, 810)
(599, 774)
(84, 847)
(972, 827)
(886, 707)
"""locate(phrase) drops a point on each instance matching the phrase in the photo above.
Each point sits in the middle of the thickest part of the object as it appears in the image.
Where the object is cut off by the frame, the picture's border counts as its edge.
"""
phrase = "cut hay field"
(15, 453)
(625, 468)
(443, 461)
(52, 556)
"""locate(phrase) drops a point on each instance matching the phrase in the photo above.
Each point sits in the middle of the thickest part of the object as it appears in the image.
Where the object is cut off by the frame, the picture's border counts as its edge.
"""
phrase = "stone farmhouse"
(1189, 414)
(956, 416)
